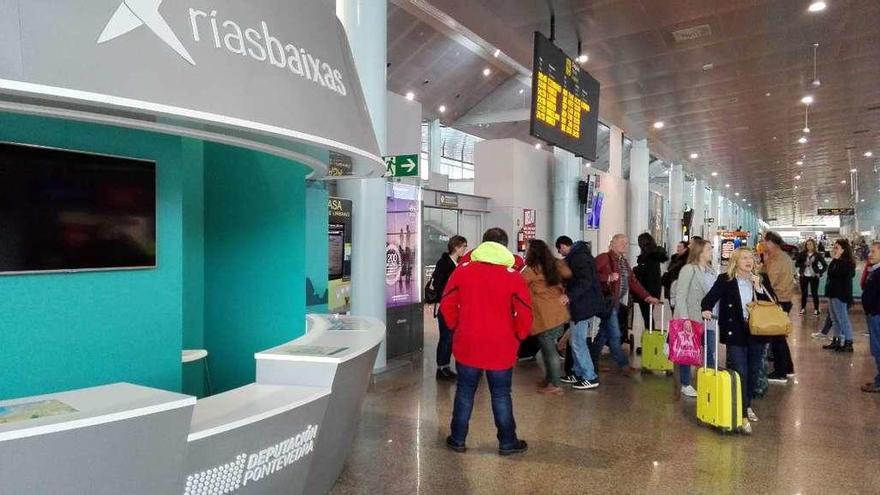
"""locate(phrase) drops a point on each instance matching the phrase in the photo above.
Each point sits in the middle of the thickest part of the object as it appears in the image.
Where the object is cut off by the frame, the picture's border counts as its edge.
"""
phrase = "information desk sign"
(836, 211)
(402, 165)
(565, 101)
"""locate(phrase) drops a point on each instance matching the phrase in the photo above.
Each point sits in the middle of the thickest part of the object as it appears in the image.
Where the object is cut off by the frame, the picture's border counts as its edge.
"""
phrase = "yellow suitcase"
(654, 357)
(719, 393)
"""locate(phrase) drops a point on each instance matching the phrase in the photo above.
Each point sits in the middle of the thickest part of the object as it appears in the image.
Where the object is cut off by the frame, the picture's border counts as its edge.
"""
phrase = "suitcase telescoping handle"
(706, 323)
(651, 317)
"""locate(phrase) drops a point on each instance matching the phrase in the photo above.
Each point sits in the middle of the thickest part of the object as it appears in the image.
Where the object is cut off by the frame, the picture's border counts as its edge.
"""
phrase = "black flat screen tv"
(65, 211)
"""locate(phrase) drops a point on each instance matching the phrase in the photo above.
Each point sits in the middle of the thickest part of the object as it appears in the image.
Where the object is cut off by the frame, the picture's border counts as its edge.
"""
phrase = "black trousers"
(646, 314)
(782, 363)
(811, 283)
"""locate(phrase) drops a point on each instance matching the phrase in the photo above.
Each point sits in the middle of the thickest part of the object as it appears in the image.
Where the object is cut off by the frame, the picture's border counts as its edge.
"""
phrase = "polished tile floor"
(817, 435)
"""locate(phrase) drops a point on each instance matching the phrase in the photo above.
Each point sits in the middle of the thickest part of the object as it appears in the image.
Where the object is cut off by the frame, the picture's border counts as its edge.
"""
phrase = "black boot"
(833, 346)
(846, 347)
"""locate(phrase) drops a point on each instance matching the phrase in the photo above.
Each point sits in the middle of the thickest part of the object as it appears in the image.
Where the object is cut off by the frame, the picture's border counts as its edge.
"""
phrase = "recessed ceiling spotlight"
(807, 100)
(736, 194)
(803, 140)
(410, 96)
(582, 58)
(843, 181)
(817, 6)
(826, 200)
(521, 91)
(441, 108)
(862, 200)
(537, 146)
(800, 162)
(487, 71)
(868, 154)
(714, 174)
(853, 170)
(795, 187)
(497, 52)
(727, 186)
(767, 93)
(694, 156)
(750, 204)
(774, 138)
(659, 124)
(797, 177)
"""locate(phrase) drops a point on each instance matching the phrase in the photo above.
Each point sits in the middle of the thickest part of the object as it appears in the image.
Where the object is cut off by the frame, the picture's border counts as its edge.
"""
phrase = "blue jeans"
(684, 371)
(746, 360)
(444, 345)
(840, 316)
(502, 405)
(874, 331)
(583, 362)
(609, 333)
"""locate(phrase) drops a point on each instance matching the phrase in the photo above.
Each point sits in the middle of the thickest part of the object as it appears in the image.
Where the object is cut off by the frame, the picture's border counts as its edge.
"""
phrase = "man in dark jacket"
(618, 282)
(585, 301)
(487, 305)
(455, 249)
(871, 302)
(647, 271)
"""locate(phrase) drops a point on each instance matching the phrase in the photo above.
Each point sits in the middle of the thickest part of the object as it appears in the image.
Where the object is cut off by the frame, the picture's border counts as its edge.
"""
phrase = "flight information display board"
(565, 101)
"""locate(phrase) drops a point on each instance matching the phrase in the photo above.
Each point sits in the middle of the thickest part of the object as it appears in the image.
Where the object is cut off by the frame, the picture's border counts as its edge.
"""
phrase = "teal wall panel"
(317, 224)
(254, 258)
(64, 331)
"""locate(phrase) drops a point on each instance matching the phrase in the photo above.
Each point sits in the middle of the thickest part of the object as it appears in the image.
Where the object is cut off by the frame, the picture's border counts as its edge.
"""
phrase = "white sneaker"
(746, 428)
(751, 414)
(819, 336)
(688, 391)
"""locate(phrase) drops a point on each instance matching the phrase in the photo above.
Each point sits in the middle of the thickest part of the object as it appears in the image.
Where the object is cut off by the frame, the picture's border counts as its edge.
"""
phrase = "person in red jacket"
(487, 305)
(618, 281)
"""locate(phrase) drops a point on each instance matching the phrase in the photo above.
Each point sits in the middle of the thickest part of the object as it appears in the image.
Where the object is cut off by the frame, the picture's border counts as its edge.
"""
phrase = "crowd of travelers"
(495, 304)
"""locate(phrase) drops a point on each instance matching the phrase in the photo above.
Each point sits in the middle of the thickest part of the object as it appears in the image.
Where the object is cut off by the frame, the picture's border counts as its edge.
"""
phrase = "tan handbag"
(767, 319)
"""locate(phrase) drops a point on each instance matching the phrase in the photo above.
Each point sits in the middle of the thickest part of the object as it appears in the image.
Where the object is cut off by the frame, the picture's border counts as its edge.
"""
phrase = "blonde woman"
(733, 291)
(694, 281)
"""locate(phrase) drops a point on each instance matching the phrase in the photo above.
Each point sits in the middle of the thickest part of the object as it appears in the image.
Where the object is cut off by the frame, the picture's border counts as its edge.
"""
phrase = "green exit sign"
(402, 165)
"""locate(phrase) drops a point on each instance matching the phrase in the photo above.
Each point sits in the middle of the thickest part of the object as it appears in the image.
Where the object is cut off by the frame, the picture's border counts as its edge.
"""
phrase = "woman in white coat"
(694, 282)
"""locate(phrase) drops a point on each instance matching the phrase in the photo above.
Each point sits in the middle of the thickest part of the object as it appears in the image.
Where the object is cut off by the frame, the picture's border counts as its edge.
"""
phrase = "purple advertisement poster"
(402, 250)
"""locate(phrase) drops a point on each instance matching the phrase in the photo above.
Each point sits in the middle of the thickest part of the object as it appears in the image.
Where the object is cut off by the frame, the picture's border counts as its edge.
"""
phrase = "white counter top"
(92, 406)
(329, 338)
(249, 404)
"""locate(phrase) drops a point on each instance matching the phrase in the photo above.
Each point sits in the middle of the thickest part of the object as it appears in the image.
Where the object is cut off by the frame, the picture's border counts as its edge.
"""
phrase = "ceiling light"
(497, 52)
(714, 174)
(582, 58)
(797, 177)
(767, 93)
(537, 146)
(795, 187)
(589, 165)
(807, 100)
(736, 194)
(441, 108)
(410, 96)
(868, 154)
(826, 200)
(806, 130)
(862, 200)
(843, 181)
(853, 170)
(817, 7)
(522, 91)
(803, 140)
(694, 156)
(659, 124)
(487, 71)
(800, 162)
(750, 204)
(727, 185)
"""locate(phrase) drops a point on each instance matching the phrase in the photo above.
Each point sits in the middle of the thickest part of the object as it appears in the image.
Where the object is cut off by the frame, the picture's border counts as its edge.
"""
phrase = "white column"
(566, 207)
(676, 203)
(639, 192)
(365, 23)
(699, 219)
(435, 137)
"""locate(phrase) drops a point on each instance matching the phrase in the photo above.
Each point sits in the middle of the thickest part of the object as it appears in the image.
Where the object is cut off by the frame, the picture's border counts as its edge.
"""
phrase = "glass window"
(627, 150)
(603, 151)
(456, 152)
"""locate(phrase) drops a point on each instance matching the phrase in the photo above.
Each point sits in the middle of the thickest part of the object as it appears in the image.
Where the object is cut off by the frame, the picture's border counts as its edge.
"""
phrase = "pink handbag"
(685, 346)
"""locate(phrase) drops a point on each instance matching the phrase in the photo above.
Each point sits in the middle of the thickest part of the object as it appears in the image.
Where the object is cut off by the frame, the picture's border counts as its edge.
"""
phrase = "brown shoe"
(551, 390)
(870, 388)
(629, 371)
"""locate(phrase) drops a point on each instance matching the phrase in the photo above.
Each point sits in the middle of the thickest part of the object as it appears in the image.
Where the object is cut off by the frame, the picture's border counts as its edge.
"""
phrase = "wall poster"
(339, 255)
(402, 245)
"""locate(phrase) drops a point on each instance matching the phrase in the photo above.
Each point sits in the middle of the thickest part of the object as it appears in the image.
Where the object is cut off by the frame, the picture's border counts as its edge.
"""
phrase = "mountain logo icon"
(133, 14)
